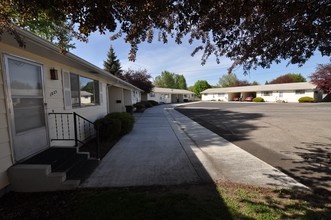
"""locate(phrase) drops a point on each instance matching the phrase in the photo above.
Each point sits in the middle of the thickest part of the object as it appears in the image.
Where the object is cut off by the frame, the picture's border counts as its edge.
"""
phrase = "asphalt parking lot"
(293, 137)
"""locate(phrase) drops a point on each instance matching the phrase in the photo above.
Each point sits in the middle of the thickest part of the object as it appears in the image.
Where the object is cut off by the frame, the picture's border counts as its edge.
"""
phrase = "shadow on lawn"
(154, 202)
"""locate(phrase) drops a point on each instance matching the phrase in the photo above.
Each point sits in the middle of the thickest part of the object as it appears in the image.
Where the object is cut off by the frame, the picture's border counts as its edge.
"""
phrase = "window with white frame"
(267, 93)
(301, 91)
(84, 91)
(221, 94)
(152, 94)
(80, 91)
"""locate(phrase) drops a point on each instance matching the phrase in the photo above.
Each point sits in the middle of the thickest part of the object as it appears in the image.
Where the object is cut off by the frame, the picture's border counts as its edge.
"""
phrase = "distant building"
(286, 92)
(166, 95)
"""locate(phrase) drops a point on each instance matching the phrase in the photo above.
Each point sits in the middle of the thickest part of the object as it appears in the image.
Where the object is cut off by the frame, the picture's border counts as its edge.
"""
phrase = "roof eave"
(53, 48)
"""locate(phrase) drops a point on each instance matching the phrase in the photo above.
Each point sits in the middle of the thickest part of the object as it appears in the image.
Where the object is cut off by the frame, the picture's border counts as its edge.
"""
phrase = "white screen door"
(26, 107)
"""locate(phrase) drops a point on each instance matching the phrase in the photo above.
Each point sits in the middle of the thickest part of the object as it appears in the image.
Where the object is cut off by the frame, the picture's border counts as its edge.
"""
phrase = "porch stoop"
(57, 168)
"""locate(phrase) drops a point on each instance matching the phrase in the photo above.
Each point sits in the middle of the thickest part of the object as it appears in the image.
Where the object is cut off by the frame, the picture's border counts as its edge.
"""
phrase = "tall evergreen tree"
(112, 64)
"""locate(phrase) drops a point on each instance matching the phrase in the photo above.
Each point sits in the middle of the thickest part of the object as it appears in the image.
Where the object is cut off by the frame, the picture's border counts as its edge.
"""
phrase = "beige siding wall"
(135, 96)
(5, 150)
(127, 97)
(53, 98)
(115, 95)
(53, 88)
(160, 97)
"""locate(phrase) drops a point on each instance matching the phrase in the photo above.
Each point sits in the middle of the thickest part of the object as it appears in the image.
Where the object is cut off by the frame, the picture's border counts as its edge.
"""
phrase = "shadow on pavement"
(228, 124)
(314, 170)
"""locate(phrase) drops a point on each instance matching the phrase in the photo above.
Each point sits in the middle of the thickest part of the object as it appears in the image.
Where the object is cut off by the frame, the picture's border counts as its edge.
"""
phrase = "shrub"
(139, 107)
(306, 99)
(147, 104)
(258, 99)
(154, 103)
(109, 129)
(127, 121)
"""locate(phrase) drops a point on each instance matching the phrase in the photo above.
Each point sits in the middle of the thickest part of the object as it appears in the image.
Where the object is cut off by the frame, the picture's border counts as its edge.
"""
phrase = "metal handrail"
(84, 129)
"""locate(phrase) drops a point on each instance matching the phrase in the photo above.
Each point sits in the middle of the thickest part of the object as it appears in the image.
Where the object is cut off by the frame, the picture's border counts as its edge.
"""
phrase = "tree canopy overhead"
(250, 33)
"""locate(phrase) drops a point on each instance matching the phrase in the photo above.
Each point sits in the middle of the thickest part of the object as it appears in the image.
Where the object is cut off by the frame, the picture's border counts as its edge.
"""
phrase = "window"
(152, 94)
(221, 94)
(300, 91)
(84, 91)
(267, 93)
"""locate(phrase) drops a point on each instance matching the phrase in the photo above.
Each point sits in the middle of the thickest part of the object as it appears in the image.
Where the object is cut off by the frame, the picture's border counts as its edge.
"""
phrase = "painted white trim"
(66, 90)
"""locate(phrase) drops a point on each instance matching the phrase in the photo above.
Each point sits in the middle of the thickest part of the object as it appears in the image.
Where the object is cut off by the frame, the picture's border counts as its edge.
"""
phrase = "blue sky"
(157, 57)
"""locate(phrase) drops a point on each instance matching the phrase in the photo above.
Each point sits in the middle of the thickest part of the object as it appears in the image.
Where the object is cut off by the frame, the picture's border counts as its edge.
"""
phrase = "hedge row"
(114, 125)
(306, 99)
(258, 99)
(141, 106)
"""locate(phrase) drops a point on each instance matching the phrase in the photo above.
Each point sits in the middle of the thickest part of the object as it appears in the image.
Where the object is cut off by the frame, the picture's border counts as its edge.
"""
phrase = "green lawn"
(225, 201)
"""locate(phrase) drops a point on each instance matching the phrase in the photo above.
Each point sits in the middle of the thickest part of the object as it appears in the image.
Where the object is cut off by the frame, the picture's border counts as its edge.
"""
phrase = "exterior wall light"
(54, 74)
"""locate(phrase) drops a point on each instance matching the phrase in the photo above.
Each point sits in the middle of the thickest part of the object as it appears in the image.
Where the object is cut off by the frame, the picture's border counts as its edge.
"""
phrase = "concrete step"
(37, 178)
(70, 162)
(54, 156)
(51, 170)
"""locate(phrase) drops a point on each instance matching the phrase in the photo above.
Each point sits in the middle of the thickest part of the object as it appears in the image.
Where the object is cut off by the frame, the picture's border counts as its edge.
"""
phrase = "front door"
(26, 105)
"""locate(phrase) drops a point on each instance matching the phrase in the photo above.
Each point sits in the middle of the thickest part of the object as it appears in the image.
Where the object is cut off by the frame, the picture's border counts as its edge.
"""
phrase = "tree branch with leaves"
(250, 33)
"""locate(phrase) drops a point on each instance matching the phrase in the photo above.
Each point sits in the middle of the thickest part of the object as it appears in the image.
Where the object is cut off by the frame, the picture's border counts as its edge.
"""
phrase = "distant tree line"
(170, 80)
(231, 80)
(288, 78)
(141, 79)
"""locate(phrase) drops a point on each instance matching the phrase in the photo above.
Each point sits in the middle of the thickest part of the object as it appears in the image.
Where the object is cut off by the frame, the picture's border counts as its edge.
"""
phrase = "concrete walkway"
(167, 148)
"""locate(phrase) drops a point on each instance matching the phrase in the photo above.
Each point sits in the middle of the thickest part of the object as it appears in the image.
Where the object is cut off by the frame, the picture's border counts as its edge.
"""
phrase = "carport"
(248, 94)
(233, 95)
(177, 98)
